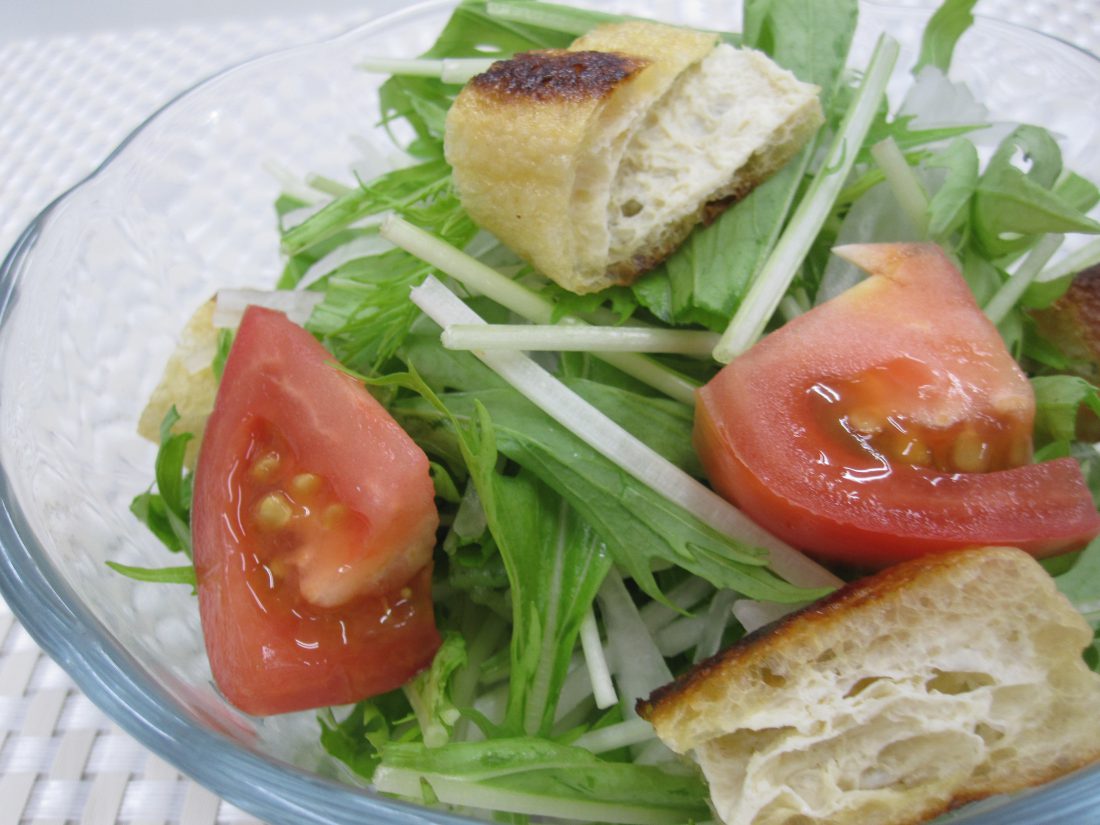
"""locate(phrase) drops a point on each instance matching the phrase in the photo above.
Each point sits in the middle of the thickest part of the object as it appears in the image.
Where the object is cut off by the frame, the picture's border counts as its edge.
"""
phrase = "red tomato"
(888, 423)
(313, 527)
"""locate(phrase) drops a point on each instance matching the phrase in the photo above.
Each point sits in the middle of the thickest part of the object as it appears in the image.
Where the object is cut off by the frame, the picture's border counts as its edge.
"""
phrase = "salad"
(581, 563)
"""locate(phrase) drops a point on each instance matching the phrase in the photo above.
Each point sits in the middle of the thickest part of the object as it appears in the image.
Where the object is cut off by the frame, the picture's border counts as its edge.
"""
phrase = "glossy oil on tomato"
(888, 423)
(313, 526)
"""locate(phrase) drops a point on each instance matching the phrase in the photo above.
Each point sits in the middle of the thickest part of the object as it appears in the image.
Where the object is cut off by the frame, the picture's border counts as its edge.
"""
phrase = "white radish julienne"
(714, 625)
(231, 304)
(358, 248)
(638, 665)
(619, 446)
(455, 70)
(685, 596)
(754, 615)
(603, 690)
(633, 731)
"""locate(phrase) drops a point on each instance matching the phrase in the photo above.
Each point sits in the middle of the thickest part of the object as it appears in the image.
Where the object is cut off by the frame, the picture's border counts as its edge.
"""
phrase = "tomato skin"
(292, 619)
(771, 445)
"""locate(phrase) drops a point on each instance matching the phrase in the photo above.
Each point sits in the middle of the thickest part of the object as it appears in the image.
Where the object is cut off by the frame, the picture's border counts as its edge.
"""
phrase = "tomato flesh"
(313, 526)
(888, 423)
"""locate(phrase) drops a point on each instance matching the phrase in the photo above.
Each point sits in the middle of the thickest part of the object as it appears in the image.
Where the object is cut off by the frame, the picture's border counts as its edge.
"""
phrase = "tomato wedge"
(313, 527)
(888, 423)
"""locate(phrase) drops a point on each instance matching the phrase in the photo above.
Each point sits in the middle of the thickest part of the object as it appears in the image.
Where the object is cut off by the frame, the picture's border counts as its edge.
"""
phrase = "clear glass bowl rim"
(281, 794)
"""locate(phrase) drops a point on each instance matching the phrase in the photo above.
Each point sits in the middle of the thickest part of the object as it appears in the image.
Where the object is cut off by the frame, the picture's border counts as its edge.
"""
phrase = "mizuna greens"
(567, 587)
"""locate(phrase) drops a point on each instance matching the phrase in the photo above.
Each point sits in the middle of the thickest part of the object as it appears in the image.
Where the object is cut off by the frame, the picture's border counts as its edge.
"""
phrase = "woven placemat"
(64, 104)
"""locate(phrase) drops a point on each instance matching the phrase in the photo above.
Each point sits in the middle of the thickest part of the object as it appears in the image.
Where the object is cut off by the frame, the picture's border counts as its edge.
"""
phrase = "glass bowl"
(97, 287)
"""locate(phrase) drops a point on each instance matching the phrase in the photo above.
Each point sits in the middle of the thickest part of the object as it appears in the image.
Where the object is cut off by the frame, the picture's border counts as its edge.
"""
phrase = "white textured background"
(75, 79)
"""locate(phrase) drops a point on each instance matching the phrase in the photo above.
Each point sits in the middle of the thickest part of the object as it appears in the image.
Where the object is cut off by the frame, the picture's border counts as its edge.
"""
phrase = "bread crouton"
(594, 163)
(940, 681)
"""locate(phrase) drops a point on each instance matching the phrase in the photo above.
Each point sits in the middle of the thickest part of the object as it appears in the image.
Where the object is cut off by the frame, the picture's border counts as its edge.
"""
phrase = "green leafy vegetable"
(167, 512)
(810, 39)
(553, 16)
(1081, 584)
(942, 33)
(949, 207)
(640, 527)
(225, 343)
(157, 575)
(555, 565)
(359, 738)
(429, 696)
(394, 190)
(1012, 208)
(704, 281)
(536, 776)
(1058, 400)
(366, 313)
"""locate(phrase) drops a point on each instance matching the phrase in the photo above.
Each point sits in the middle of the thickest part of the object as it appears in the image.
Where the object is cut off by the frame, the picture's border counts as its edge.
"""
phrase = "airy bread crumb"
(937, 682)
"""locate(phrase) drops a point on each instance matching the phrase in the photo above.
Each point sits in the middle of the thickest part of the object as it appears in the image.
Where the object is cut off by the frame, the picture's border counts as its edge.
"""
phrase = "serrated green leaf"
(158, 575)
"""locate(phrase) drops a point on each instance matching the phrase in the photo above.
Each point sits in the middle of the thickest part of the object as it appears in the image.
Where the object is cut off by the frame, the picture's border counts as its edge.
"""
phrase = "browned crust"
(757, 645)
(557, 74)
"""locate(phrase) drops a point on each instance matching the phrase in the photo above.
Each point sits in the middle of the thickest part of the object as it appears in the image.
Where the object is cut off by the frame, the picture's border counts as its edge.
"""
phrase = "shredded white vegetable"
(576, 690)
(631, 732)
(754, 615)
(714, 625)
(682, 634)
(685, 596)
(232, 303)
(637, 664)
(291, 184)
(603, 689)
(450, 70)
(616, 444)
(357, 248)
